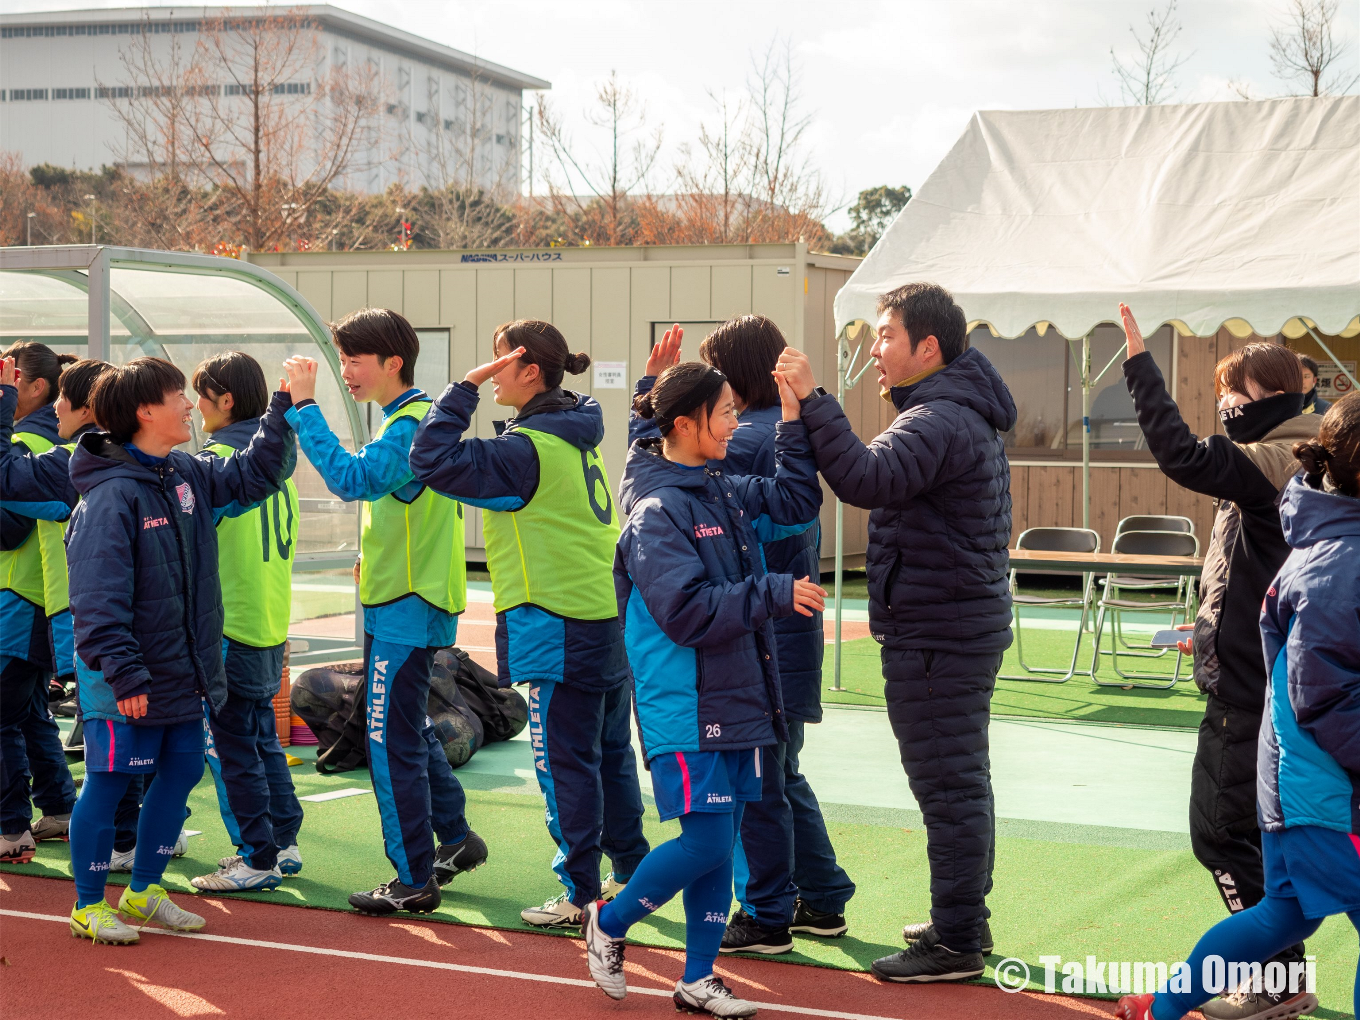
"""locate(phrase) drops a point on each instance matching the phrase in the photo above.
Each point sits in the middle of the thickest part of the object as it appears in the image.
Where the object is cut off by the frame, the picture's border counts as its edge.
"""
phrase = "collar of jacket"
(911, 381)
(237, 435)
(41, 422)
(414, 393)
(555, 399)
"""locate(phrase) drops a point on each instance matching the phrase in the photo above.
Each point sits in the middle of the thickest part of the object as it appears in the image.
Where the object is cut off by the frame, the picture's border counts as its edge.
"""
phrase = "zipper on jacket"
(200, 687)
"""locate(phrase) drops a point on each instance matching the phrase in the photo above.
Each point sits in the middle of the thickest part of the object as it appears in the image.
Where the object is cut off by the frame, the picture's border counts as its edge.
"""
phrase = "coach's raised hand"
(301, 378)
(795, 367)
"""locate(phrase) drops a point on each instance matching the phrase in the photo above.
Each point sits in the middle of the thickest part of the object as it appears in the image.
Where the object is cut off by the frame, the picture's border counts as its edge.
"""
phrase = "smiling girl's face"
(695, 441)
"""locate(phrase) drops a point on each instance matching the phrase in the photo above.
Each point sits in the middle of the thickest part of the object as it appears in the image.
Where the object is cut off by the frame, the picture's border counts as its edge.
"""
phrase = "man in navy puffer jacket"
(938, 484)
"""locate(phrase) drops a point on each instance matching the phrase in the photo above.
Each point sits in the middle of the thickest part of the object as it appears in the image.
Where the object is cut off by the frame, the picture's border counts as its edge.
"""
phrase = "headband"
(685, 405)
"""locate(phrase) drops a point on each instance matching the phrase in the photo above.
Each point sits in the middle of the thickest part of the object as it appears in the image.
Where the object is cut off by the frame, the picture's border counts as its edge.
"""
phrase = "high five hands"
(482, 373)
(667, 352)
(795, 367)
(301, 381)
(1132, 333)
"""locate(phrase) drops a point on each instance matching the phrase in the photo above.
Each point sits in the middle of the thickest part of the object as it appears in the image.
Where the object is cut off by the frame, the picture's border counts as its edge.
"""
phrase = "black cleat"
(392, 896)
(926, 932)
(807, 921)
(926, 960)
(452, 859)
(747, 935)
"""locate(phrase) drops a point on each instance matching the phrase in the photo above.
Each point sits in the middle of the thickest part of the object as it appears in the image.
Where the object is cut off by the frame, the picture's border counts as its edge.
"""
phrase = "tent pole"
(842, 353)
(1086, 431)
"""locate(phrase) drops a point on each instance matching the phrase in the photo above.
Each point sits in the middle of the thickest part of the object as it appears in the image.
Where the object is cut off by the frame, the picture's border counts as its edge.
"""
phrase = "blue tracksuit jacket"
(696, 601)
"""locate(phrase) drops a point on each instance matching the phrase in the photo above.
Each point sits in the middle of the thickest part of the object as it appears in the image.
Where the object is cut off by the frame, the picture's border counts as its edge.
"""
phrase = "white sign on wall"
(1332, 384)
(611, 375)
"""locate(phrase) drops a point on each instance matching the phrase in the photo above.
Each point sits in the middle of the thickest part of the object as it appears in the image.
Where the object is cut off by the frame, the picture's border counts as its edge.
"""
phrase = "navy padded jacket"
(142, 550)
(938, 485)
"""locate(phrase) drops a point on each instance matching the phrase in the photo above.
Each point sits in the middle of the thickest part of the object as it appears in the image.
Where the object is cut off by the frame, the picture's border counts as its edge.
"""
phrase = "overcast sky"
(888, 86)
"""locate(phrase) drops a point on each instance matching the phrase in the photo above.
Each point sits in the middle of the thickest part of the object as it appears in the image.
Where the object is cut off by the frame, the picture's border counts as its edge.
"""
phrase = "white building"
(443, 114)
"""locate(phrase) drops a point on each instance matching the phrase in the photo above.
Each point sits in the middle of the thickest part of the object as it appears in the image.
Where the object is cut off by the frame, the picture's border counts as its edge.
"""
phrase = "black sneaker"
(807, 921)
(452, 859)
(392, 896)
(926, 932)
(926, 960)
(746, 935)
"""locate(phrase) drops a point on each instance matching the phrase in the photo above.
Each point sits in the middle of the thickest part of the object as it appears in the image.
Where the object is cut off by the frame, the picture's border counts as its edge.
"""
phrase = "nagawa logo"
(707, 530)
(377, 701)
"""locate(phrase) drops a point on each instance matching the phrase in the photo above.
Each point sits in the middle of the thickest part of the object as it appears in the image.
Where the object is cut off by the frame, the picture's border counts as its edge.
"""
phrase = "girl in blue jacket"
(1308, 775)
(698, 608)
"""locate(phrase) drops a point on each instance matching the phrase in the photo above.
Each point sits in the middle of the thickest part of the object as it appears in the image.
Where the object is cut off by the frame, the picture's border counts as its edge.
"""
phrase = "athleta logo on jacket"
(154, 522)
(185, 493)
(707, 530)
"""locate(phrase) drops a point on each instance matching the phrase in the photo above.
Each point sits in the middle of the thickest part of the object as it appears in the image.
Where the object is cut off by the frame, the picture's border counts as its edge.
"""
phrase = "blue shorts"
(122, 747)
(1318, 867)
(713, 781)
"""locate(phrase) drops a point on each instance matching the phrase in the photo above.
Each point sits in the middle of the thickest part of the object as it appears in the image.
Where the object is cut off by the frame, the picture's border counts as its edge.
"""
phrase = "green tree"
(869, 218)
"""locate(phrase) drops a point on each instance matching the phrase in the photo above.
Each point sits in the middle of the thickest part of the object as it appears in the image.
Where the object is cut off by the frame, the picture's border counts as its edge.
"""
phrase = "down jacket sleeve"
(102, 586)
(32, 483)
(691, 609)
(255, 473)
(497, 474)
(903, 462)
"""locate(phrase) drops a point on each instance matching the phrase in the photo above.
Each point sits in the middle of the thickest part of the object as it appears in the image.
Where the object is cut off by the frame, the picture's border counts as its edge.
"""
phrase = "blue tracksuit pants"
(254, 787)
(415, 787)
(30, 744)
(784, 852)
(587, 771)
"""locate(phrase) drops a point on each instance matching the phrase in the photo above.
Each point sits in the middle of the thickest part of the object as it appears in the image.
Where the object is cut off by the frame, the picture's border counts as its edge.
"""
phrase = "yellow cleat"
(100, 923)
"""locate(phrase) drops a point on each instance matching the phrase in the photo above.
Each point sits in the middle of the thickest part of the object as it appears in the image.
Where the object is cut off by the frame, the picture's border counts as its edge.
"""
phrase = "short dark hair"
(379, 331)
(674, 395)
(119, 394)
(1309, 364)
(927, 309)
(746, 350)
(1273, 367)
(544, 346)
(238, 374)
(38, 361)
(78, 379)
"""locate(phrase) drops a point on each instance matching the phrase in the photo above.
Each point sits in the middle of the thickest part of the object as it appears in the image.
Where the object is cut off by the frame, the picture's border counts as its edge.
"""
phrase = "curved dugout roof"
(1245, 215)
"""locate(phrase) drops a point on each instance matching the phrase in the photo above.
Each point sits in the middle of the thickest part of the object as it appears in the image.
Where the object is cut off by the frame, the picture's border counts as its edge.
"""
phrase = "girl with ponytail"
(550, 526)
(1309, 746)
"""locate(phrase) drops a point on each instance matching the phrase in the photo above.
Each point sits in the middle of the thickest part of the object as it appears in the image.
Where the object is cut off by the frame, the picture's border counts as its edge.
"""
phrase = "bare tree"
(1303, 52)
(594, 191)
(1148, 78)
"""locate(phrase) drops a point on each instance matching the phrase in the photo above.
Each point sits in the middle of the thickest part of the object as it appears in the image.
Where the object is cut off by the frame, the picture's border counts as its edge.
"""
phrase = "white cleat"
(709, 995)
(610, 888)
(290, 861)
(556, 913)
(603, 954)
(238, 877)
(122, 860)
(181, 844)
(17, 848)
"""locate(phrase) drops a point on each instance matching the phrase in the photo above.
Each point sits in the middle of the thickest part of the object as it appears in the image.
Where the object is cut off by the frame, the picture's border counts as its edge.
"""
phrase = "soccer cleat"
(709, 995)
(604, 954)
(290, 861)
(392, 896)
(925, 932)
(452, 859)
(51, 827)
(17, 847)
(924, 961)
(1134, 1007)
(558, 912)
(153, 904)
(122, 860)
(807, 921)
(99, 922)
(745, 934)
(1245, 1004)
(181, 844)
(611, 887)
(238, 877)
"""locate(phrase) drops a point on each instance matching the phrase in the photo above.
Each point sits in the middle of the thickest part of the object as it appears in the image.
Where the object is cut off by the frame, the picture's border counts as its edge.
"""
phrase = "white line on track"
(514, 975)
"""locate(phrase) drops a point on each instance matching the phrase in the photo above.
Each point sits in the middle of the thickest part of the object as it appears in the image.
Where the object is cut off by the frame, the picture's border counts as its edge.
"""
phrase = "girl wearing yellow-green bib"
(550, 526)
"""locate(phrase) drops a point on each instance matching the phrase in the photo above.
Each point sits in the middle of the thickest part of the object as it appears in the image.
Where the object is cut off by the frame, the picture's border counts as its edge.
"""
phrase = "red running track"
(259, 960)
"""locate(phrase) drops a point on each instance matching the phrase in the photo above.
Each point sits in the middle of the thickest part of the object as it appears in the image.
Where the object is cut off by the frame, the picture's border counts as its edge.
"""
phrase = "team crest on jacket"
(185, 493)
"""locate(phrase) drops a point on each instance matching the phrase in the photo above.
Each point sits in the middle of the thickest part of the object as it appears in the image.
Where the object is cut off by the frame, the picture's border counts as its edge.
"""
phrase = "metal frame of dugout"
(105, 300)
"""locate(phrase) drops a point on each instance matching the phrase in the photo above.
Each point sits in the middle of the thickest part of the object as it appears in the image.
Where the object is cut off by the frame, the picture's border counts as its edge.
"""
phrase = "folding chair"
(1146, 543)
(1149, 522)
(1077, 540)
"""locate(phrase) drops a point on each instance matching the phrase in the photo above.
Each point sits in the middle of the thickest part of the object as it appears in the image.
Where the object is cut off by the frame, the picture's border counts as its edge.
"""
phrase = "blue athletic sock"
(707, 900)
(1253, 935)
(163, 815)
(92, 832)
(699, 856)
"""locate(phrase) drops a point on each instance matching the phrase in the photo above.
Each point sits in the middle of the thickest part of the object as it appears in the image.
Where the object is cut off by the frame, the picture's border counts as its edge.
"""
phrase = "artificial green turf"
(1051, 896)
(1078, 699)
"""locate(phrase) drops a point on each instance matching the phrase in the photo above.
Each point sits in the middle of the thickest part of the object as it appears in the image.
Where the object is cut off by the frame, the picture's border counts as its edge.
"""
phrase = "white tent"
(1244, 215)
(1196, 215)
